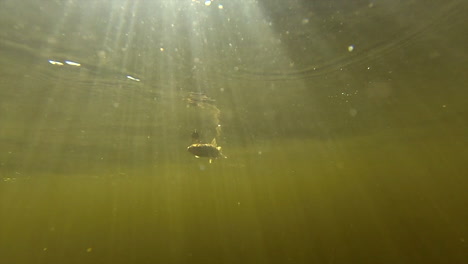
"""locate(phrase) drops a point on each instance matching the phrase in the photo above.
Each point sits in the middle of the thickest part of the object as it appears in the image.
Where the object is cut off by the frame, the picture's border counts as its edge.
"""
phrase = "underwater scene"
(219, 131)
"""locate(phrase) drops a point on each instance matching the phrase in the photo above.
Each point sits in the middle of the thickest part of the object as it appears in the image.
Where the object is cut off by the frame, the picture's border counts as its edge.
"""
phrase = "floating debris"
(198, 99)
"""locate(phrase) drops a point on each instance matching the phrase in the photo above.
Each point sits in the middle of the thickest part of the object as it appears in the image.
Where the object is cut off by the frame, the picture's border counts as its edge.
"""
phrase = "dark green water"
(344, 123)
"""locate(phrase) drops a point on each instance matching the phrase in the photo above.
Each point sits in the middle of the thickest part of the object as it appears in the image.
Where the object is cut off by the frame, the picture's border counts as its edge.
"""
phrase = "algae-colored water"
(344, 126)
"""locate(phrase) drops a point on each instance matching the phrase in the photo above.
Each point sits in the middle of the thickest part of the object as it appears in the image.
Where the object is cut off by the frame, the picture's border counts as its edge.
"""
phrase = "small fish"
(211, 151)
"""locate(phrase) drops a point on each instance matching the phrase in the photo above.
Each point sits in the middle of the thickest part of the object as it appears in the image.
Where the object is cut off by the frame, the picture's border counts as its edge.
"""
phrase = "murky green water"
(344, 123)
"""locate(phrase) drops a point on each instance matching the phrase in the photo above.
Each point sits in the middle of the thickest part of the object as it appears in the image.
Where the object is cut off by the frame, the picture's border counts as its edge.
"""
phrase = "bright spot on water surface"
(133, 78)
(72, 63)
(55, 62)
